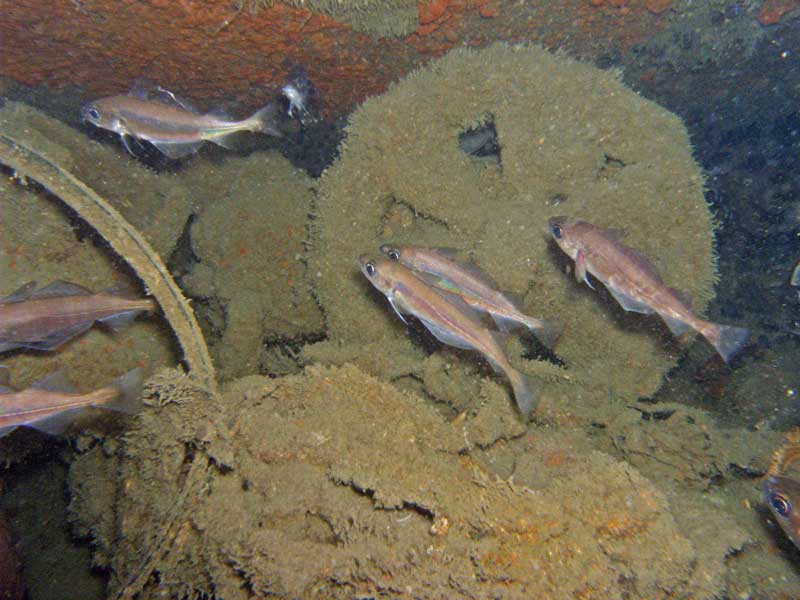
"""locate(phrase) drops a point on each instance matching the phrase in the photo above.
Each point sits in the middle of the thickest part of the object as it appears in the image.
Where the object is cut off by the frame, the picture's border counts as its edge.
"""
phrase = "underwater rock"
(572, 140)
(12, 586)
(369, 491)
(251, 245)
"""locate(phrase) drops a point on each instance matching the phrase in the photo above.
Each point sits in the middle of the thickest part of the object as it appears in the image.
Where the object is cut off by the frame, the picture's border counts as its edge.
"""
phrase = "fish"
(439, 267)
(781, 492)
(634, 282)
(45, 319)
(782, 495)
(448, 318)
(172, 126)
(51, 404)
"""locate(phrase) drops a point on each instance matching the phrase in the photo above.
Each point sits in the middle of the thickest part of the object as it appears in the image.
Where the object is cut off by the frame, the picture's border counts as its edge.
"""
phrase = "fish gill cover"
(573, 140)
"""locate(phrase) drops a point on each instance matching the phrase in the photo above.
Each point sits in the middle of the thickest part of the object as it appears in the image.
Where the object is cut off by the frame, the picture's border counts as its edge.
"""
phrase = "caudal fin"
(266, 120)
(547, 332)
(526, 392)
(129, 397)
(726, 339)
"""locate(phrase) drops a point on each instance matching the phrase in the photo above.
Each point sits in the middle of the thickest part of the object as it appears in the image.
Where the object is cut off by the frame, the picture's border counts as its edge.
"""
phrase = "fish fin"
(616, 234)
(580, 269)
(20, 294)
(727, 340)
(231, 141)
(396, 308)
(59, 289)
(795, 280)
(447, 252)
(141, 88)
(120, 320)
(546, 331)
(165, 96)
(55, 424)
(176, 150)
(266, 120)
(630, 303)
(55, 339)
(220, 113)
(124, 137)
(526, 392)
(55, 382)
(676, 326)
(129, 398)
(505, 324)
(445, 336)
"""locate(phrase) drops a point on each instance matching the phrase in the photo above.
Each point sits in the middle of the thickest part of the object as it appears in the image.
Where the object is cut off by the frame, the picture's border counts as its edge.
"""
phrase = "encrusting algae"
(572, 139)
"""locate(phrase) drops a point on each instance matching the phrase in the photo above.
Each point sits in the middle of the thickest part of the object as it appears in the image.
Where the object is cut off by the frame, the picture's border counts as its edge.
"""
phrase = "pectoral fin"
(397, 310)
(580, 269)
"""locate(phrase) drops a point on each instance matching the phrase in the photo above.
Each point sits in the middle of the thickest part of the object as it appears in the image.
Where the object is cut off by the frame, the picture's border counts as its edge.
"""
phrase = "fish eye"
(557, 232)
(393, 253)
(93, 113)
(370, 269)
(780, 504)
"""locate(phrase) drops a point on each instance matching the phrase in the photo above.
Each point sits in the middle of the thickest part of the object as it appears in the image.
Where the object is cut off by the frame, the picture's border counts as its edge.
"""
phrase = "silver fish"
(170, 125)
(635, 283)
(46, 318)
(448, 318)
(439, 267)
(51, 404)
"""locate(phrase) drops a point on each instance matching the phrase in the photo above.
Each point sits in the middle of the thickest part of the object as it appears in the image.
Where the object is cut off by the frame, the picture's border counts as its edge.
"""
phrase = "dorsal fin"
(55, 382)
(615, 233)
(59, 289)
(20, 294)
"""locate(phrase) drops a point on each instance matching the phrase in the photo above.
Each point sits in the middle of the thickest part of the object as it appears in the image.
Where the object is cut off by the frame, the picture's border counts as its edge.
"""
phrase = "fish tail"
(526, 391)
(129, 397)
(266, 120)
(546, 331)
(726, 339)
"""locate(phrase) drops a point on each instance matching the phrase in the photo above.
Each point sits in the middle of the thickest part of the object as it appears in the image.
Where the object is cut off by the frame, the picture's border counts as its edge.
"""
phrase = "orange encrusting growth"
(209, 51)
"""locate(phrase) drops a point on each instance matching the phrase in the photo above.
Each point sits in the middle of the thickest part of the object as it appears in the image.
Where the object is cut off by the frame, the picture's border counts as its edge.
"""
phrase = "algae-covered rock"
(333, 484)
(250, 244)
(573, 140)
